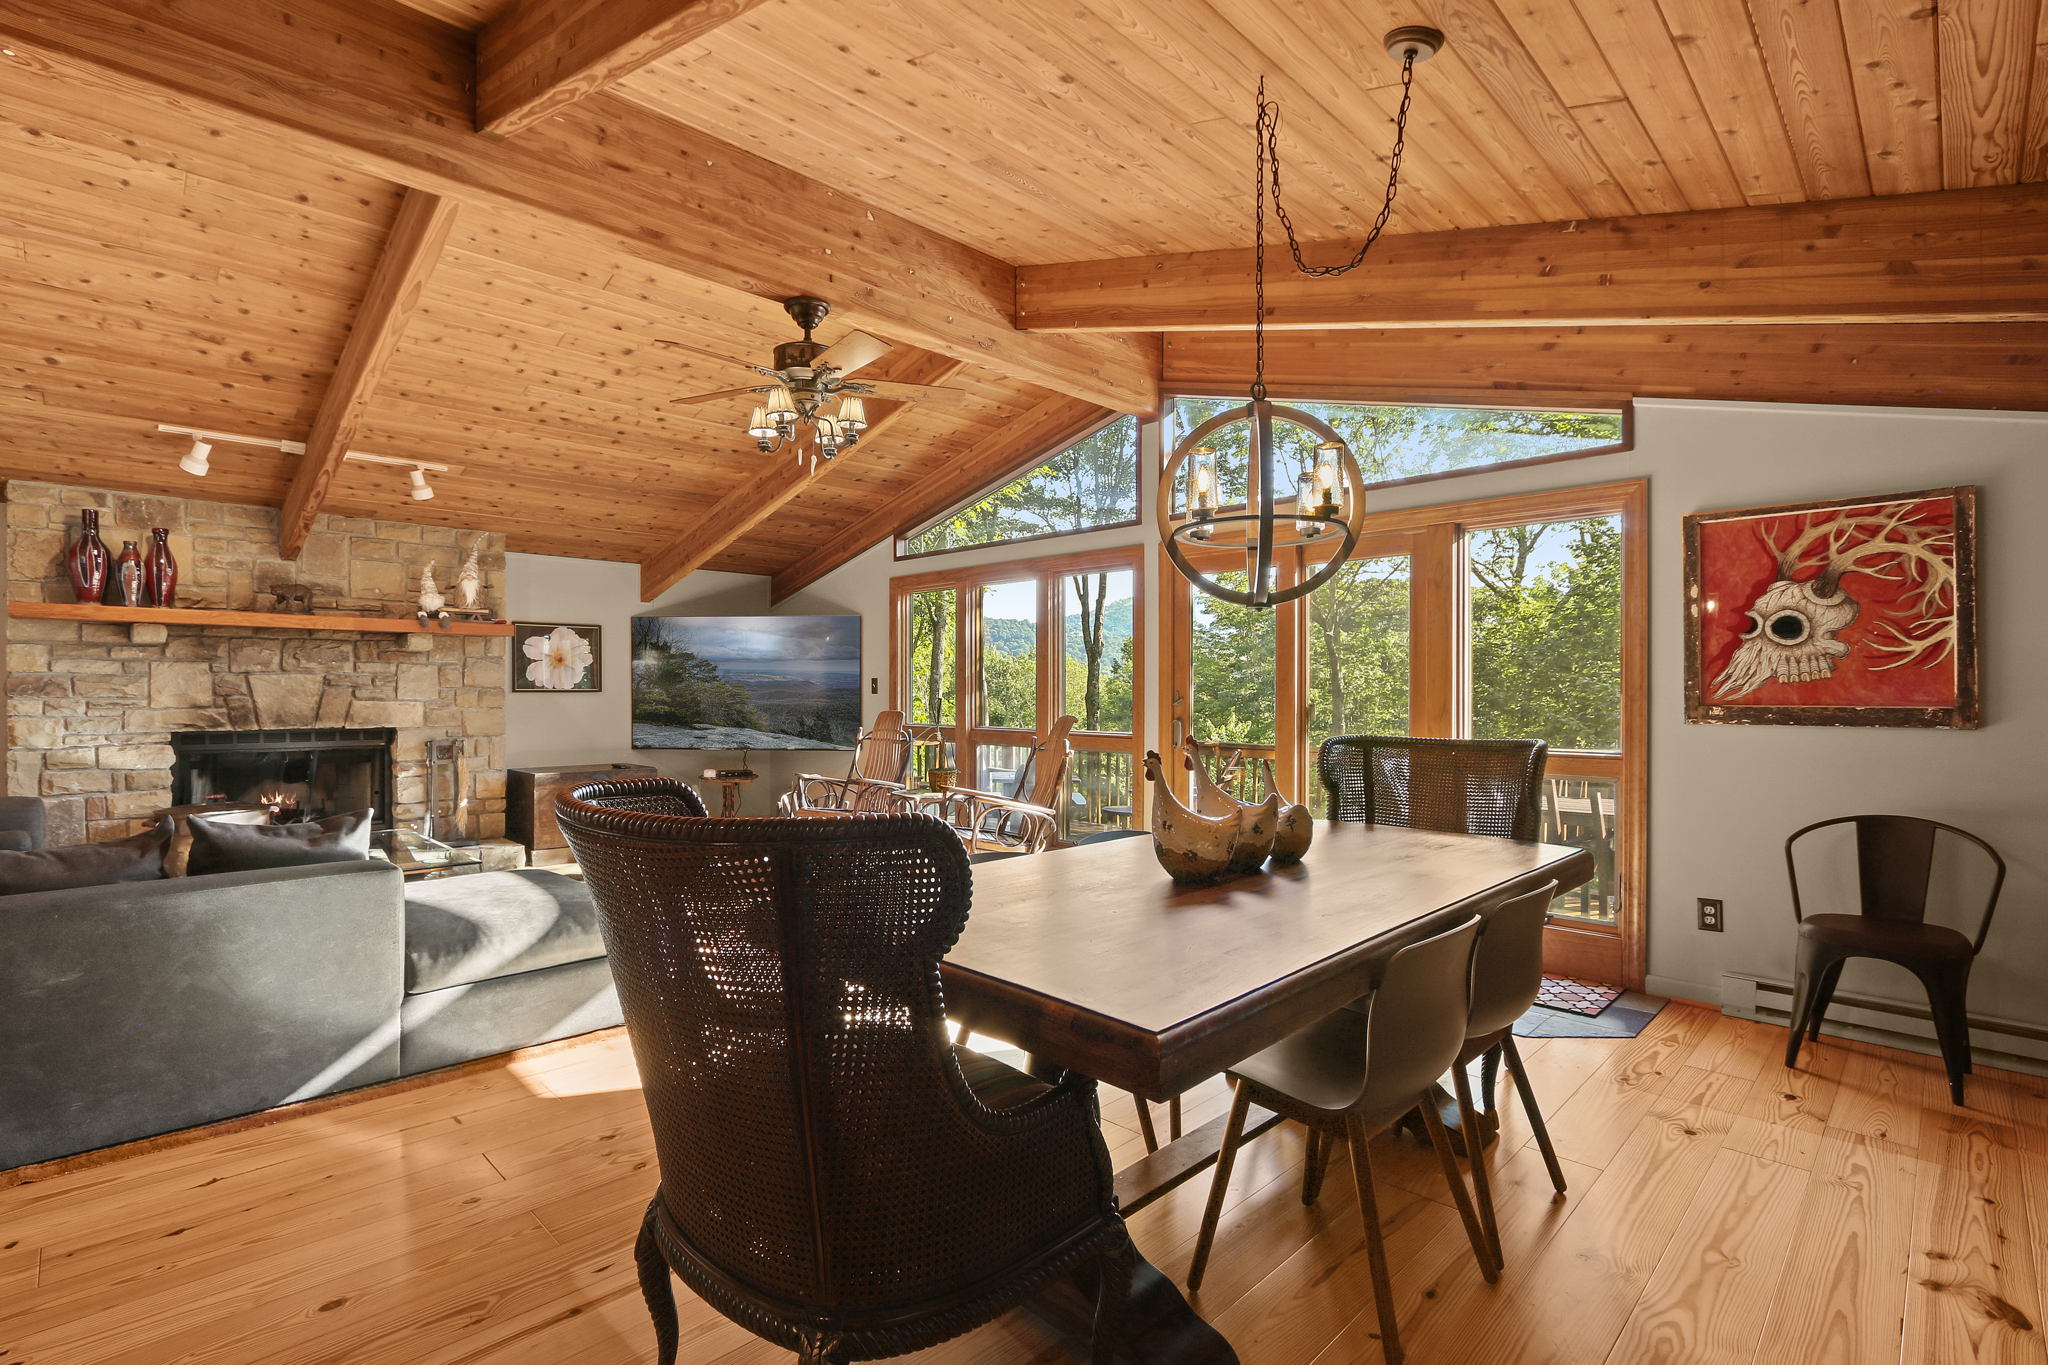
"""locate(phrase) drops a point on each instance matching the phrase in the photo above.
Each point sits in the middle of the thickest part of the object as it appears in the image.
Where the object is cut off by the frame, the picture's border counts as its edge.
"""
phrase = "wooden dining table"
(1092, 961)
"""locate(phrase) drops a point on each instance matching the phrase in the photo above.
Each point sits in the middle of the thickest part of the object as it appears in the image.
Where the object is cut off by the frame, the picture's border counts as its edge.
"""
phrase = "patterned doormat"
(1577, 997)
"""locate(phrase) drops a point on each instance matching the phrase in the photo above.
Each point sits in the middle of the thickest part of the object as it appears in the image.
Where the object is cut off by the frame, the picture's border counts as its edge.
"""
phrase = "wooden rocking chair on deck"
(1028, 822)
(873, 782)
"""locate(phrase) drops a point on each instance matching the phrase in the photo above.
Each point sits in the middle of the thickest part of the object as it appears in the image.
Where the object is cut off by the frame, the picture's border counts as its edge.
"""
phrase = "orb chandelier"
(1314, 537)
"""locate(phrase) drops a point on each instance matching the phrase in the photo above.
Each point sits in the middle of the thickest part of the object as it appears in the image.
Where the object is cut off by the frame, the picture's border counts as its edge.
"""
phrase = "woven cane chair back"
(821, 1153)
(1456, 786)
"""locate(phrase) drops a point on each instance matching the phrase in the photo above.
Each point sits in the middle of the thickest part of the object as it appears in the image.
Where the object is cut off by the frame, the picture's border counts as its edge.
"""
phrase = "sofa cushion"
(460, 930)
(15, 841)
(138, 858)
(219, 847)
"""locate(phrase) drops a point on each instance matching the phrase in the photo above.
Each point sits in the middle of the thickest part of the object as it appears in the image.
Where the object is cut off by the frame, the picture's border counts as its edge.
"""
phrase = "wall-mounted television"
(746, 682)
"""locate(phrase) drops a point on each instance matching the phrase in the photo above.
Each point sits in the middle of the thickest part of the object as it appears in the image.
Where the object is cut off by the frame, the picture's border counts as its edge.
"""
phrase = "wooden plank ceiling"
(179, 249)
(1048, 132)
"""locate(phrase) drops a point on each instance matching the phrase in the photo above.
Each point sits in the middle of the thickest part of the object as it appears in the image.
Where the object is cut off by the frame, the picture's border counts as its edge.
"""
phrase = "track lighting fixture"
(195, 460)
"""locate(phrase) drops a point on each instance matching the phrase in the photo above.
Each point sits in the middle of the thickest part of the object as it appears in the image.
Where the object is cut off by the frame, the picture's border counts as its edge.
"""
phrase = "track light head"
(421, 489)
(195, 459)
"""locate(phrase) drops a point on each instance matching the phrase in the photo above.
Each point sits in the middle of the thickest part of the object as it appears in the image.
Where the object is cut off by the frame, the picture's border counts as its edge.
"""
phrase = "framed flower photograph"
(547, 657)
(1859, 611)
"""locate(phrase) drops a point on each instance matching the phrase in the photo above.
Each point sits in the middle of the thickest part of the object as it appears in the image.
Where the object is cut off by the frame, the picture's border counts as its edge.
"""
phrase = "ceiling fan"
(808, 375)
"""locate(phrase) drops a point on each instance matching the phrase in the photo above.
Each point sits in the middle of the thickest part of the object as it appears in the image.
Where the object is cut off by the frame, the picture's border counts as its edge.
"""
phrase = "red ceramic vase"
(161, 569)
(87, 561)
(125, 583)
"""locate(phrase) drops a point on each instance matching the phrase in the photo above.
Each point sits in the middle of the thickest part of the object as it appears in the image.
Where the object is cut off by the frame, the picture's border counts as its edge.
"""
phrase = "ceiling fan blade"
(716, 394)
(718, 356)
(852, 351)
(919, 393)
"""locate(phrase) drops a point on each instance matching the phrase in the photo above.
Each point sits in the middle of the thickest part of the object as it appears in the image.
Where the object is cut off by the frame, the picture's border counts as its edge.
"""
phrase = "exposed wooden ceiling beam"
(410, 254)
(1033, 434)
(780, 479)
(541, 56)
(385, 90)
(1935, 364)
(1947, 256)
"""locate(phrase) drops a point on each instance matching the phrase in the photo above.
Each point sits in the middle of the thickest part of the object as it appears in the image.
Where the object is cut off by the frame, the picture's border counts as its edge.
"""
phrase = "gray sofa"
(145, 1007)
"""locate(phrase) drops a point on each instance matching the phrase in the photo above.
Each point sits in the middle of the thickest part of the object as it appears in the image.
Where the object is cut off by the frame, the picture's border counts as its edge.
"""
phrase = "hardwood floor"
(1722, 1209)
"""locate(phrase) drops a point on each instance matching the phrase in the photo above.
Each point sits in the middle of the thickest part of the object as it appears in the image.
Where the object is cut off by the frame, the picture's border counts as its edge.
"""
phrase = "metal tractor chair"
(1028, 822)
(836, 1175)
(1899, 860)
(881, 764)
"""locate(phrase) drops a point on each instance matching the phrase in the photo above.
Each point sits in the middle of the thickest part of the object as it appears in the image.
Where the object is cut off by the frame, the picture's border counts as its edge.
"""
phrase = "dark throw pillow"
(138, 858)
(218, 847)
(15, 841)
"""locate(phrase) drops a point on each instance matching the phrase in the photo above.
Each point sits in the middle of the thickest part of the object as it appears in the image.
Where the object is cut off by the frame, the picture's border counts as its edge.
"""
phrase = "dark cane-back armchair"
(836, 1176)
(1456, 786)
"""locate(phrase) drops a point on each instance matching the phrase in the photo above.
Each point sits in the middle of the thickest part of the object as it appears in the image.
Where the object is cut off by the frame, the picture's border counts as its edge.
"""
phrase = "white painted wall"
(1722, 798)
(597, 727)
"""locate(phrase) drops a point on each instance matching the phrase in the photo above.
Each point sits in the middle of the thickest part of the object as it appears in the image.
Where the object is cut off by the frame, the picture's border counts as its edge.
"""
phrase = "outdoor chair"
(881, 762)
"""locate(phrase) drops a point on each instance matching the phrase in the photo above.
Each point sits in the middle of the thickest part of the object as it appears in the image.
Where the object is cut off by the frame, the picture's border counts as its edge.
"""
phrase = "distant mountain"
(1008, 636)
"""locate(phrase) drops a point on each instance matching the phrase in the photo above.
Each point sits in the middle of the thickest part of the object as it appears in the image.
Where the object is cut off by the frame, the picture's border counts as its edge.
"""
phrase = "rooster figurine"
(1192, 847)
(1258, 822)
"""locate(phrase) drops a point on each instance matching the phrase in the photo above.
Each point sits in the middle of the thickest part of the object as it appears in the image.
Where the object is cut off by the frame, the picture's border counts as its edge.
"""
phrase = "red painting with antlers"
(1838, 608)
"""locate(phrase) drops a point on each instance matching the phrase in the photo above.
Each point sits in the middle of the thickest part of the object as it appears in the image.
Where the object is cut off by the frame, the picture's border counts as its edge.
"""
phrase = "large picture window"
(1090, 485)
(1403, 443)
(985, 658)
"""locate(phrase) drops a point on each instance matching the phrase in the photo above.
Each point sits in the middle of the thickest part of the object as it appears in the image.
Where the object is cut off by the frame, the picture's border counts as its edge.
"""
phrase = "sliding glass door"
(1508, 618)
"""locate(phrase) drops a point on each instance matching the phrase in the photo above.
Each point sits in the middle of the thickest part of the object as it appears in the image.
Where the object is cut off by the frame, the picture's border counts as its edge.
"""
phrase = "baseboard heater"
(1995, 1042)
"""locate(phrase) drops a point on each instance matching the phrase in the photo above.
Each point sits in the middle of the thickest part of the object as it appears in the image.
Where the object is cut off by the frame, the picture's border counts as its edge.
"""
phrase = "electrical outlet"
(874, 686)
(1710, 915)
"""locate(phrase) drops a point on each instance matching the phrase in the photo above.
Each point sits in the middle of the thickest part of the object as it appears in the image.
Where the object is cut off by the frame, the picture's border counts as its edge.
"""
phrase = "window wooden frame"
(968, 731)
(1299, 393)
(1435, 538)
(994, 486)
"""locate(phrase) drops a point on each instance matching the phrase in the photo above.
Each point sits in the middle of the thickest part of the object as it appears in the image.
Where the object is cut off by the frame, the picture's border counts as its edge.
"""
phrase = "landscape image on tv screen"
(746, 682)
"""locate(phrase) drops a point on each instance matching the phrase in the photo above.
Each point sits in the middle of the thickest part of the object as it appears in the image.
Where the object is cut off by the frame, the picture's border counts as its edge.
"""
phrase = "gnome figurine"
(469, 583)
(431, 600)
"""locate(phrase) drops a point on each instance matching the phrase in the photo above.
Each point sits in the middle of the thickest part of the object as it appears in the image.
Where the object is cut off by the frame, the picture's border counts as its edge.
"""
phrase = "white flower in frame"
(560, 658)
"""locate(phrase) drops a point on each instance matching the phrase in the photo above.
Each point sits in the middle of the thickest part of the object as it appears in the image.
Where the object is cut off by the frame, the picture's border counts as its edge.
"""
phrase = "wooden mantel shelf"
(260, 620)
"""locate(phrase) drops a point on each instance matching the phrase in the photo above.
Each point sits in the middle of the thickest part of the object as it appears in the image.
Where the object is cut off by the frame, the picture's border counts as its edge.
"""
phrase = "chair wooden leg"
(1316, 1162)
(1489, 1077)
(1441, 1140)
(1233, 1134)
(1375, 1245)
(1145, 1129)
(1112, 1294)
(1529, 1107)
(659, 1293)
(1173, 1117)
(1476, 1159)
(1948, 989)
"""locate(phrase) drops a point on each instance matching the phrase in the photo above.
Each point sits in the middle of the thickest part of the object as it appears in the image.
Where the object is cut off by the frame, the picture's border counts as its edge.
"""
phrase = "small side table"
(729, 794)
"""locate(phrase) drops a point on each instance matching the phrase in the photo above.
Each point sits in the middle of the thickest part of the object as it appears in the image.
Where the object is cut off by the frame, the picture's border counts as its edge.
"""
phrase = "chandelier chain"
(1266, 141)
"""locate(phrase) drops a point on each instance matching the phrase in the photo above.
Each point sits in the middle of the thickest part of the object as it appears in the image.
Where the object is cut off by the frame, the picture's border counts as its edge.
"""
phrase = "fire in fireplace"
(294, 774)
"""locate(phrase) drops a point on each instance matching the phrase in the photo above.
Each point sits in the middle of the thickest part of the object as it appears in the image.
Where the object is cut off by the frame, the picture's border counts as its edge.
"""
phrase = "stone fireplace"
(96, 710)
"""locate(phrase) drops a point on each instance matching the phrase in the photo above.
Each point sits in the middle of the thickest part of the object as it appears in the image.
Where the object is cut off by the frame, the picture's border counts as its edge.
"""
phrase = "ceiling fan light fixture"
(758, 426)
(195, 459)
(853, 413)
(781, 405)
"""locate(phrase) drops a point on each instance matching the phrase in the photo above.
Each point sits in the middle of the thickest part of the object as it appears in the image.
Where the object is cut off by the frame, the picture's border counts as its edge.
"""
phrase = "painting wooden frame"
(1894, 643)
(522, 631)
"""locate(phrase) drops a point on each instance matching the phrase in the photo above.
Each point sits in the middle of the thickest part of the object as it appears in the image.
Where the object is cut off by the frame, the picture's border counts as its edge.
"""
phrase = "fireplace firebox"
(296, 774)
